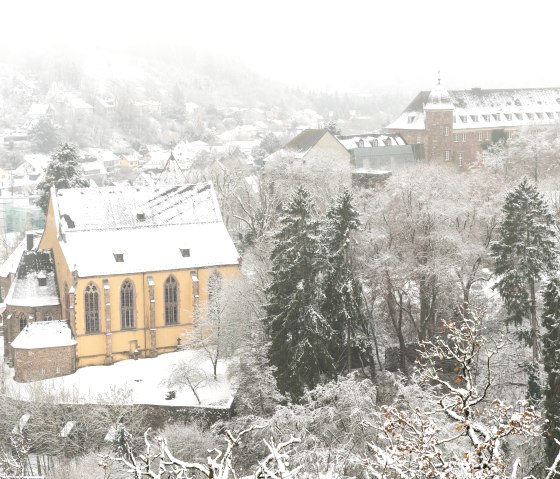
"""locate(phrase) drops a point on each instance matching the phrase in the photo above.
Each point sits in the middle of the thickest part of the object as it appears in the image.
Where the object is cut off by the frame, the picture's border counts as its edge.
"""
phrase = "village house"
(455, 126)
(124, 268)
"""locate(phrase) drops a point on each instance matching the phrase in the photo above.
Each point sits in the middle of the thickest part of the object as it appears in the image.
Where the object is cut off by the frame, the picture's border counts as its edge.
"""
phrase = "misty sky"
(337, 45)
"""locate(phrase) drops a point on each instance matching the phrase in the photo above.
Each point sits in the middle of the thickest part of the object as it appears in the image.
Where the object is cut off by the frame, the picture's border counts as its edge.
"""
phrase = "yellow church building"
(129, 268)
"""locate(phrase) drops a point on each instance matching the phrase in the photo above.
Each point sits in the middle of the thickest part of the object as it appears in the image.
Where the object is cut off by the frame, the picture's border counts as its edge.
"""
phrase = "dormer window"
(361, 143)
(508, 116)
(411, 118)
(529, 116)
(517, 102)
(474, 117)
(519, 116)
(119, 257)
(140, 215)
(486, 117)
(185, 252)
(42, 278)
(540, 116)
(463, 118)
(550, 115)
(496, 116)
(375, 142)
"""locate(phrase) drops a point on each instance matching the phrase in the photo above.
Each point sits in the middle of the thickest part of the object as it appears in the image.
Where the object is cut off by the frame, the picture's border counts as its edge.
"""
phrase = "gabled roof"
(172, 173)
(11, 264)
(26, 289)
(306, 140)
(478, 108)
(153, 228)
(118, 207)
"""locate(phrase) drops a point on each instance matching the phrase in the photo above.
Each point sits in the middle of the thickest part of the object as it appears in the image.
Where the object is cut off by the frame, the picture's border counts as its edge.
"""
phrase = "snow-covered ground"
(132, 381)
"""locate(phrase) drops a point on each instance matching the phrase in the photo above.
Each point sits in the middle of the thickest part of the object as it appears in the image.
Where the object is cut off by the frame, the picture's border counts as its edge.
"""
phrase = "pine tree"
(63, 171)
(524, 251)
(299, 334)
(551, 360)
(342, 304)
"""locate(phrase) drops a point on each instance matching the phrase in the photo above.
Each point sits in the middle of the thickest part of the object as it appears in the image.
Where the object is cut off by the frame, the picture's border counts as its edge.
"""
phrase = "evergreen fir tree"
(299, 334)
(63, 171)
(342, 302)
(524, 251)
(551, 360)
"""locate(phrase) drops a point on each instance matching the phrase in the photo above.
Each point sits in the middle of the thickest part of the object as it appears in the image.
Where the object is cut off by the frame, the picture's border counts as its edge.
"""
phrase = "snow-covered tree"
(342, 303)
(63, 171)
(524, 251)
(551, 360)
(299, 334)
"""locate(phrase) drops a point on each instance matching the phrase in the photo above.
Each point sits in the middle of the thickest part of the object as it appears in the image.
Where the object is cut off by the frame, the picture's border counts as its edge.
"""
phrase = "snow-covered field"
(131, 381)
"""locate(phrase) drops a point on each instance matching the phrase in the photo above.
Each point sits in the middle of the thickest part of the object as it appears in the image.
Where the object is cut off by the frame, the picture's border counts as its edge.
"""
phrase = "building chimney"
(29, 241)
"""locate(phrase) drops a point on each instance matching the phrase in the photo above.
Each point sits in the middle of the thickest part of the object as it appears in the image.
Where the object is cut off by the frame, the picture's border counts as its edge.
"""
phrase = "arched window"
(91, 303)
(171, 301)
(22, 321)
(47, 316)
(127, 304)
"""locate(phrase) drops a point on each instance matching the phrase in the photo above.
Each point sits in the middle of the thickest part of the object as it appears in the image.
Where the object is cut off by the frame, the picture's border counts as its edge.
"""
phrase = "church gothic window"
(127, 304)
(91, 303)
(171, 301)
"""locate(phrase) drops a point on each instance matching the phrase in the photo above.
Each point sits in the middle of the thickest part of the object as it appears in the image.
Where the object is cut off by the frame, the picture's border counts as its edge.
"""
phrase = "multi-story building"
(456, 125)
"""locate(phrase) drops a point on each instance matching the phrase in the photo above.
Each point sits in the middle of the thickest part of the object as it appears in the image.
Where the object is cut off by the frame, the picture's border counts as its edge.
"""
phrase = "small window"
(550, 115)
(418, 139)
(119, 257)
(529, 116)
(480, 136)
(375, 141)
(463, 118)
(464, 137)
(508, 116)
(446, 131)
(456, 137)
(540, 116)
(496, 116)
(460, 158)
(185, 252)
(486, 117)
(42, 278)
(519, 116)
(487, 135)
(361, 143)
(474, 118)
(446, 155)
(411, 118)
(47, 316)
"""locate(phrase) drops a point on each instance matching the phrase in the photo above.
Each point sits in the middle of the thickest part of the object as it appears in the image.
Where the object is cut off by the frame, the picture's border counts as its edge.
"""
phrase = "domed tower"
(438, 119)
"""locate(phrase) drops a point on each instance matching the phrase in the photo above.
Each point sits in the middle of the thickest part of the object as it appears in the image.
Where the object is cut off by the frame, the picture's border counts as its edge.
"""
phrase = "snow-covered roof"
(38, 109)
(27, 289)
(10, 265)
(370, 141)
(149, 225)
(172, 173)
(150, 249)
(478, 108)
(79, 104)
(44, 334)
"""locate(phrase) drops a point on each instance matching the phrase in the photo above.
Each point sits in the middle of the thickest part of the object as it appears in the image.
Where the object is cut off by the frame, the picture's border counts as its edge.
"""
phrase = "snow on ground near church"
(138, 381)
